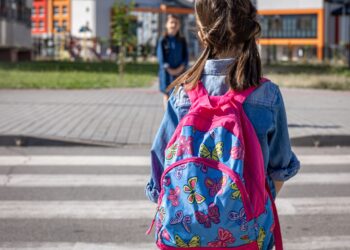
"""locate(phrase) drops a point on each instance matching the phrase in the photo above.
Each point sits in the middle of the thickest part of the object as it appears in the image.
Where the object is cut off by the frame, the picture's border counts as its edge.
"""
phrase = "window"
(33, 11)
(55, 25)
(64, 10)
(33, 25)
(64, 25)
(289, 26)
(41, 25)
(41, 11)
(56, 10)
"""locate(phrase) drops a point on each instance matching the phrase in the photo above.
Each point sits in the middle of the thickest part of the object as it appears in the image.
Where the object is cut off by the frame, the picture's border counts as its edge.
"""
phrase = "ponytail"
(247, 69)
(191, 77)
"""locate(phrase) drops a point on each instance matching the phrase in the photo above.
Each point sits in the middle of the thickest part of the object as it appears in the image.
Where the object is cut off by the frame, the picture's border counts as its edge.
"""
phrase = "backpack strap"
(277, 230)
(197, 92)
(241, 96)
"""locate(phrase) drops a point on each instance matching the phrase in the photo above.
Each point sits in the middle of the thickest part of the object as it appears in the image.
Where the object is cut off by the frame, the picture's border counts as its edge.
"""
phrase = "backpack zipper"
(149, 230)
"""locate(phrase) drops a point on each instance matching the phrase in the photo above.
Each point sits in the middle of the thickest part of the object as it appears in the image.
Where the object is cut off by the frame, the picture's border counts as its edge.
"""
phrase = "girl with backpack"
(222, 152)
(172, 55)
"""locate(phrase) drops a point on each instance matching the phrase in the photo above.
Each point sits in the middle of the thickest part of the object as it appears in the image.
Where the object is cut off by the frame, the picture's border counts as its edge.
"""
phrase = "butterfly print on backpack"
(179, 171)
(236, 194)
(215, 155)
(174, 196)
(191, 189)
(203, 168)
(224, 238)
(185, 146)
(215, 187)
(240, 218)
(213, 216)
(167, 181)
(237, 152)
(194, 242)
(170, 152)
(181, 218)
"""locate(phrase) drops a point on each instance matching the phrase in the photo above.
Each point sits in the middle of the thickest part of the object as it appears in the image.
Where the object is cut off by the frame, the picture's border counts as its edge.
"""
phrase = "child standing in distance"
(228, 30)
(172, 55)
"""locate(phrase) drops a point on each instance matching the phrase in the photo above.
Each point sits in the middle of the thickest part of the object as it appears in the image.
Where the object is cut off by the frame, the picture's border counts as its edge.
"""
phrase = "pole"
(268, 41)
(348, 44)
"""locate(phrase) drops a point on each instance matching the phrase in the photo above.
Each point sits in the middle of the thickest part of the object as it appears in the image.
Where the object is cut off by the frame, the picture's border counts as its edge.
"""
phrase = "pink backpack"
(213, 189)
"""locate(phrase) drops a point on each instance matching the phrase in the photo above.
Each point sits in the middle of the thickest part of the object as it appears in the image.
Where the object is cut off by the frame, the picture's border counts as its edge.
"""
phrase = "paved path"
(132, 116)
(93, 209)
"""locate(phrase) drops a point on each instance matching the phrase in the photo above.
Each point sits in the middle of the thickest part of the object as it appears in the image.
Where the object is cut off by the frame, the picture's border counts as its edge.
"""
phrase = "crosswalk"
(56, 213)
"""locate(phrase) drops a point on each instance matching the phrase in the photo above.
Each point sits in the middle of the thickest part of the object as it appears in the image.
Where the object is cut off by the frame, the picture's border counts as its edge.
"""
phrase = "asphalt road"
(93, 198)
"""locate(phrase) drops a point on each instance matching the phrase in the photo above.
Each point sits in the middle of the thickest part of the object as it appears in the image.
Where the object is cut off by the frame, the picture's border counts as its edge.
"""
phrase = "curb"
(321, 141)
(37, 141)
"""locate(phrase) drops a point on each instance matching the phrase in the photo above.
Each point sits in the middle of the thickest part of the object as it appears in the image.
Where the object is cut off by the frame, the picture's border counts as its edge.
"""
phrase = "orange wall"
(60, 17)
(166, 9)
(317, 42)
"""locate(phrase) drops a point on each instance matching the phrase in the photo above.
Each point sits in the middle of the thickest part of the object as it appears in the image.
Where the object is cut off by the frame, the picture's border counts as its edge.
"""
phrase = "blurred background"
(80, 106)
(83, 29)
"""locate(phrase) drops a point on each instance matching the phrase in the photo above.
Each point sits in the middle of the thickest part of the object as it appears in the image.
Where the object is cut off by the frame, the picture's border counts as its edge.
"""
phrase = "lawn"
(74, 75)
(309, 76)
(85, 75)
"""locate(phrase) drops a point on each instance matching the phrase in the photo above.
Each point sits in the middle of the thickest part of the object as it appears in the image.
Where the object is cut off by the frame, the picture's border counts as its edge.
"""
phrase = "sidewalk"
(132, 116)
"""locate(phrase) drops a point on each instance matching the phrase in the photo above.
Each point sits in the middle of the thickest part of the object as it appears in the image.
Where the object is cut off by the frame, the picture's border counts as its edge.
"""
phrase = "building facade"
(337, 26)
(40, 17)
(15, 27)
(59, 16)
(91, 19)
(301, 29)
(291, 26)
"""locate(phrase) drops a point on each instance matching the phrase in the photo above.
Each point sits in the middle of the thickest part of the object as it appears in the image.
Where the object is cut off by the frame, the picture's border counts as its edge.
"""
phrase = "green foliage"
(123, 30)
(123, 24)
(74, 75)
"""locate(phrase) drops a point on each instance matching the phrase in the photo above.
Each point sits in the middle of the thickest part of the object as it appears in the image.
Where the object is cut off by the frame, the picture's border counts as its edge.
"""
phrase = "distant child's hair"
(226, 26)
(176, 17)
(173, 16)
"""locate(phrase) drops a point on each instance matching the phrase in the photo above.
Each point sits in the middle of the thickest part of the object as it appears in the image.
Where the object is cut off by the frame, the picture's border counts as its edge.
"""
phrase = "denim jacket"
(264, 108)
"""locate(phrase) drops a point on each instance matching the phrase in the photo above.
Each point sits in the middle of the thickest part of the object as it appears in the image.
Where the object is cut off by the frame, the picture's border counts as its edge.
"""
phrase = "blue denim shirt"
(264, 108)
(177, 54)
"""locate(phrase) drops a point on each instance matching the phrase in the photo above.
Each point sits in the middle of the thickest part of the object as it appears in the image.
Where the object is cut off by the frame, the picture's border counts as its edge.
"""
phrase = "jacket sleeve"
(163, 136)
(178, 106)
(160, 53)
(283, 163)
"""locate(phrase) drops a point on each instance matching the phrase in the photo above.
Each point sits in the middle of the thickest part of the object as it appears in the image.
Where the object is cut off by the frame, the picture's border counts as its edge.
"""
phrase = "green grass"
(309, 76)
(85, 75)
(74, 75)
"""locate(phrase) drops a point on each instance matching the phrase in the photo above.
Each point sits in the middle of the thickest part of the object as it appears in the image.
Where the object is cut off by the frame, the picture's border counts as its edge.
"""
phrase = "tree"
(123, 35)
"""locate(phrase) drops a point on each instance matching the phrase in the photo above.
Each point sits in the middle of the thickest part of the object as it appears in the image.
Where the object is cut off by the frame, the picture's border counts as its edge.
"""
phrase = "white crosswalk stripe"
(139, 180)
(135, 161)
(93, 161)
(61, 180)
(141, 209)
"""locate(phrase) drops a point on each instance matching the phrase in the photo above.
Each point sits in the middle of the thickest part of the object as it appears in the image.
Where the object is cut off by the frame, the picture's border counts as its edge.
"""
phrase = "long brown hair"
(226, 26)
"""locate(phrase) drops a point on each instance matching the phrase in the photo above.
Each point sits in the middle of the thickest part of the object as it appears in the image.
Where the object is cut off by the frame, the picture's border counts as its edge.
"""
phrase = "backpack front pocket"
(203, 204)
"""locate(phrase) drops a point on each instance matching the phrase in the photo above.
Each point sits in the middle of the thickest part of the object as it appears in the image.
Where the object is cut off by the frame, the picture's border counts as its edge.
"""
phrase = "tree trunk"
(121, 61)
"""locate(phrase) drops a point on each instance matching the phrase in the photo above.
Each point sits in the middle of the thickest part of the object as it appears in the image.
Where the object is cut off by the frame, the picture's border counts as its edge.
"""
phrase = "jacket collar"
(217, 66)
